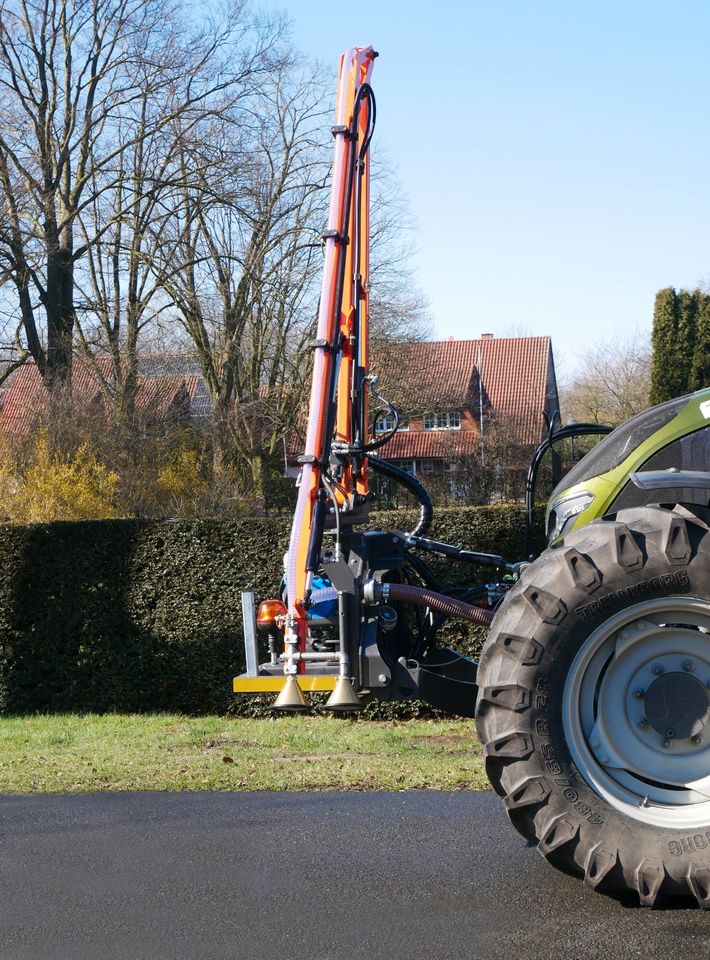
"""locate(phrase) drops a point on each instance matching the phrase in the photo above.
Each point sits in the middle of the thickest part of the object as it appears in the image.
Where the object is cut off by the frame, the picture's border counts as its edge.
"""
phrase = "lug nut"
(657, 669)
(642, 724)
(639, 693)
(697, 739)
(670, 733)
(688, 666)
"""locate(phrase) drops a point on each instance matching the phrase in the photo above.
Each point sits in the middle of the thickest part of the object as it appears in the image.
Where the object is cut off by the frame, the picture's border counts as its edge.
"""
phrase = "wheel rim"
(637, 711)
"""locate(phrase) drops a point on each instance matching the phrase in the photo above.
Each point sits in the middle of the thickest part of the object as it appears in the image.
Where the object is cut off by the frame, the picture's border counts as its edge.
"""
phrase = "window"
(385, 423)
(427, 466)
(449, 420)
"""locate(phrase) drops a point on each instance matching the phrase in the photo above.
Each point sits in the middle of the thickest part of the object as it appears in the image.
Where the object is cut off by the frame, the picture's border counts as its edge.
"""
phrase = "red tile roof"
(437, 444)
(434, 376)
(26, 398)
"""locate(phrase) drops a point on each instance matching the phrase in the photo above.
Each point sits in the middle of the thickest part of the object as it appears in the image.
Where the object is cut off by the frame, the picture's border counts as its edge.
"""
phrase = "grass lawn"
(168, 752)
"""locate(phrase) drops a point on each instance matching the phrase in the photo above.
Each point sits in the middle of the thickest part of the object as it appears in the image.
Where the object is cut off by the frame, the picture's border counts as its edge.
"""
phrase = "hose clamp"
(371, 591)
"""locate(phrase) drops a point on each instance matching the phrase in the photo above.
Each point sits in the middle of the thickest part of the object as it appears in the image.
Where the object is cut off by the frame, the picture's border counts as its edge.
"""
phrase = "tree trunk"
(60, 319)
(258, 468)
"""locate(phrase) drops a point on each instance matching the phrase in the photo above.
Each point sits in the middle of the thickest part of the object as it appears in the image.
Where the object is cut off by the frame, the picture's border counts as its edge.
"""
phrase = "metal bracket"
(249, 621)
(335, 235)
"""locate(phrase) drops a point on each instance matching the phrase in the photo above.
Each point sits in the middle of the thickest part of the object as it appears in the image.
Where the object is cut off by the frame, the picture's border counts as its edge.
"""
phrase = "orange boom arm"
(337, 418)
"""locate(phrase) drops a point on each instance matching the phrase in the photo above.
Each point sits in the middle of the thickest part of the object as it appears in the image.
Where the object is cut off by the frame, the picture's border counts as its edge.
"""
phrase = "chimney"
(486, 336)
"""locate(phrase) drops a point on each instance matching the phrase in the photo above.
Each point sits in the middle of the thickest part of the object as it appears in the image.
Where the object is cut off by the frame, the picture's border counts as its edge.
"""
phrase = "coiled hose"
(426, 512)
(438, 601)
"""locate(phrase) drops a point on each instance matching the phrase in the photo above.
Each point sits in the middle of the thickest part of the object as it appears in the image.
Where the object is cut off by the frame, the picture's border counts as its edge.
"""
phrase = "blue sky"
(555, 155)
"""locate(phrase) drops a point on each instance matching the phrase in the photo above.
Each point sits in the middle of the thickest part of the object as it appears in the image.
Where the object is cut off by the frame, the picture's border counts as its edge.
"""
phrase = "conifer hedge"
(131, 615)
(681, 343)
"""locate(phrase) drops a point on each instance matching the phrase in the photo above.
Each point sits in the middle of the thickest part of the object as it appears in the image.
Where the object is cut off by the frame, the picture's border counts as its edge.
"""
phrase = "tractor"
(592, 694)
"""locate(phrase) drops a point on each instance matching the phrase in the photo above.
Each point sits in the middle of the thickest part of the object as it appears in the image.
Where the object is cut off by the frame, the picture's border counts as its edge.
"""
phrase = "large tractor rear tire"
(594, 704)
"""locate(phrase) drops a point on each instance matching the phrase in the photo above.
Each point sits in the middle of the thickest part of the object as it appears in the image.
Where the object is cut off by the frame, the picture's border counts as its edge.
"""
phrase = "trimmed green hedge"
(145, 615)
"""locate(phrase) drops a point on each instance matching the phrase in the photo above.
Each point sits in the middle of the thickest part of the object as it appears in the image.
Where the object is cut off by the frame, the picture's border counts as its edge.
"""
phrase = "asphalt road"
(203, 876)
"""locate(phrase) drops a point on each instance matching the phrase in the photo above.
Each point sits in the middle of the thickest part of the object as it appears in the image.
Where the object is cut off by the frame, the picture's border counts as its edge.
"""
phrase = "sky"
(555, 155)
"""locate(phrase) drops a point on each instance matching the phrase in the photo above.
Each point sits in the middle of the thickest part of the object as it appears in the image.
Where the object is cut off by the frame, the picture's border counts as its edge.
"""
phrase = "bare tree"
(238, 258)
(83, 85)
(399, 310)
(612, 381)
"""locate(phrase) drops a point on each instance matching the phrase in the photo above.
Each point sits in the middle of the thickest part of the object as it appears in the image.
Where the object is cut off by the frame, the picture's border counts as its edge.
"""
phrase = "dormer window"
(449, 420)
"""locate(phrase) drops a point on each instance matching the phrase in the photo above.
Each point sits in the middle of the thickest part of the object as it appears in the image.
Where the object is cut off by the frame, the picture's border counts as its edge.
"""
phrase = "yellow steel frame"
(309, 684)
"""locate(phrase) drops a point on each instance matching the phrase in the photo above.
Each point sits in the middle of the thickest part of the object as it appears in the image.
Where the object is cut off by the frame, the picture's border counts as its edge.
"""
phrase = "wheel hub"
(637, 710)
(677, 705)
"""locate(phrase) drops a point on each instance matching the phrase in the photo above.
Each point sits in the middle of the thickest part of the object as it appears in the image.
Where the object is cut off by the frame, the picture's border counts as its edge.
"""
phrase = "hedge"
(131, 615)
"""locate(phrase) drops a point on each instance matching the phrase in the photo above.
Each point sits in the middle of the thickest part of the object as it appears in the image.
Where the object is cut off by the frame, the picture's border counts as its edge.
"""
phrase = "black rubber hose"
(438, 601)
(426, 514)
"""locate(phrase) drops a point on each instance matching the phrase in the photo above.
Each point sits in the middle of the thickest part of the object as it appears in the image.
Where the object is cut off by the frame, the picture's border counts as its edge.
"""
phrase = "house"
(169, 389)
(454, 392)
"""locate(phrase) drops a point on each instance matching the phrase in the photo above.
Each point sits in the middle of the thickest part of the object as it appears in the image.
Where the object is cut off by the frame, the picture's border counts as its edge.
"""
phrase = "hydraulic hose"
(438, 601)
(423, 598)
(400, 476)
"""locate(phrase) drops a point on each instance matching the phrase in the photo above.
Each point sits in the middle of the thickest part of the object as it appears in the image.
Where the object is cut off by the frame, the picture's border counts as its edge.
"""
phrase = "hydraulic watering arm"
(344, 618)
(337, 418)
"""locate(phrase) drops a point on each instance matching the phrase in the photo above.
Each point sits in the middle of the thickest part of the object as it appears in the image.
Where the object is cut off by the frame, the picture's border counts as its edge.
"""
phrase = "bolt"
(697, 739)
(667, 744)
(688, 666)
(670, 733)
(595, 744)
(382, 678)
(639, 693)
(624, 635)
(604, 759)
(642, 724)
(657, 669)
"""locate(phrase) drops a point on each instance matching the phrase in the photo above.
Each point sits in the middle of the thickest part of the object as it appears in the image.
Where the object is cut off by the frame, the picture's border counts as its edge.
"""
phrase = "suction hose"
(405, 592)
(426, 513)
